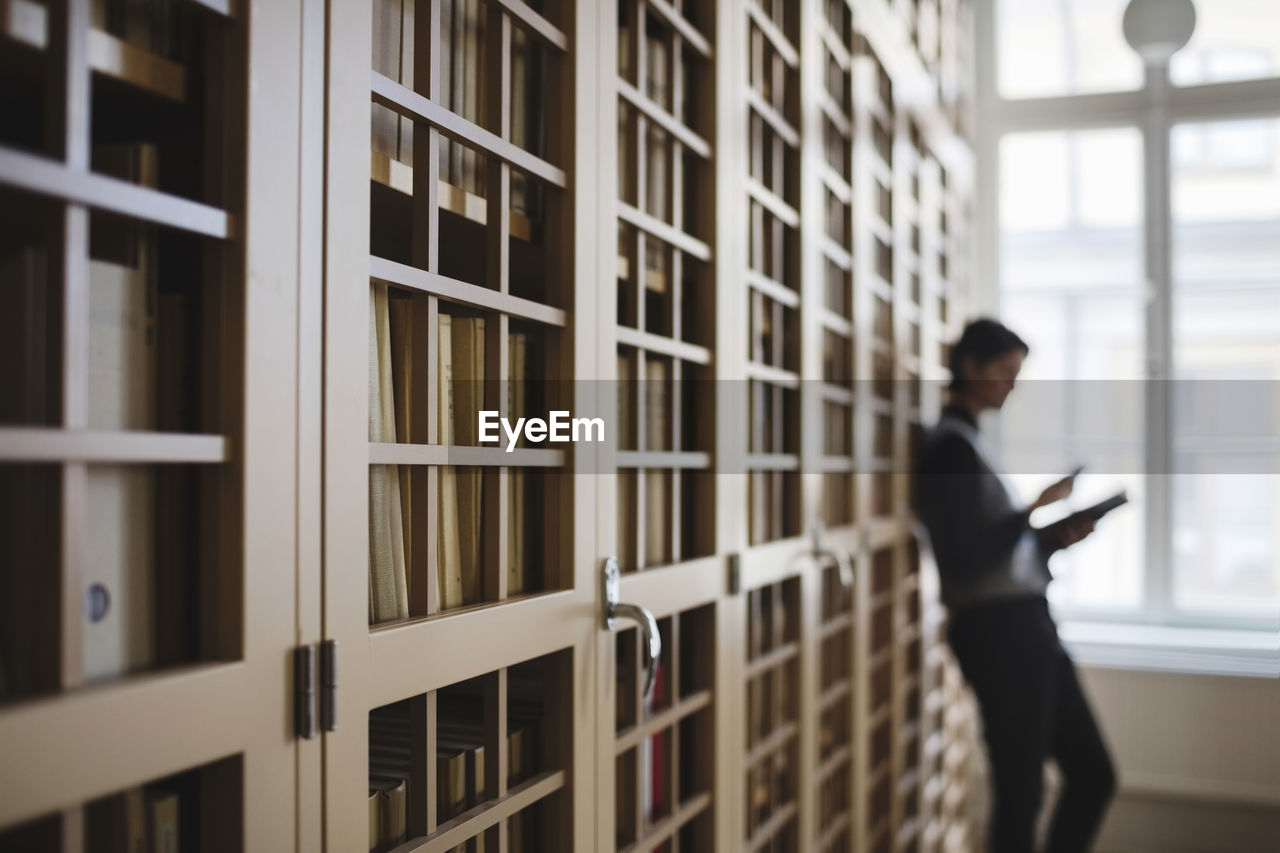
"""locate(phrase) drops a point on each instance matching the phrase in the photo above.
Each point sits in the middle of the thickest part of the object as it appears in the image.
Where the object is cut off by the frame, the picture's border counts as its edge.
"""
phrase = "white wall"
(1198, 758)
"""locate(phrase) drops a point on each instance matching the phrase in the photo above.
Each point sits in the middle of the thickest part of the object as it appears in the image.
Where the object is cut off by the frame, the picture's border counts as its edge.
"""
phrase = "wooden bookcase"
(736, 230)
(149, 514)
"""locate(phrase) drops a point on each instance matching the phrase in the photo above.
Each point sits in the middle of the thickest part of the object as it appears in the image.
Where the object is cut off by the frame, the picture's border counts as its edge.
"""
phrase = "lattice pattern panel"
(665, 763)
(666, 282)
(878, 702)
(466, 299)
(773, 285)
(120, 289)
(772, 731)
(908, 700)
(876, 191)
(836, 689)
(835, 242)
(479, 765)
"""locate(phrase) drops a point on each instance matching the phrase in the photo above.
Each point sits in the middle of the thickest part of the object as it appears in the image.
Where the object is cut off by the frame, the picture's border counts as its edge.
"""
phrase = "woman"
(993, 569)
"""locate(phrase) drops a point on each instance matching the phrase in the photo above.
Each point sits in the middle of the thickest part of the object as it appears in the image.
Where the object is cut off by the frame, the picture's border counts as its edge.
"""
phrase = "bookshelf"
(143, 500)
(737, 230)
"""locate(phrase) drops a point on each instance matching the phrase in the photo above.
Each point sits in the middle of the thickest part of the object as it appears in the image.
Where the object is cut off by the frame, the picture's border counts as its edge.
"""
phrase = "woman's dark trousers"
(1033, 709)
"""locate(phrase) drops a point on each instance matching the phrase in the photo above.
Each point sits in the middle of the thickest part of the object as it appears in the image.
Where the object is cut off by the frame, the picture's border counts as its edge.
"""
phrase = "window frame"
(1154, 110)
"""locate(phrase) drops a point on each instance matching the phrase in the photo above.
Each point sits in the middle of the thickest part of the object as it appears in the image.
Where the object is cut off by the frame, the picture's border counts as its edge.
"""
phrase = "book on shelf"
(388, 580)
(25, 398)
(118, 824)
(404, 73)
(390, 762)
(657, 392)
(657, 173)
(521, 95)
(448, 557)
(760, 495)
(400, 314)
(461, 388)
(657, 70)
(387, 35)
(517, 393)
(163, 822)
(24, 317)
(456, 56)
(652, 754)
(175, 485)
(119, 583)
(468, 388)
(388, 796)
(141, 23)
(516, 836)
(471, 41)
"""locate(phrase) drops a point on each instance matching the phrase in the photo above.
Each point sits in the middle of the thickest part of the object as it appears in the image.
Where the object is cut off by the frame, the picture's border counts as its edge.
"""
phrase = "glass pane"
(1226, 319)
(1233, 40)
(1063, 47)
(1071, 284)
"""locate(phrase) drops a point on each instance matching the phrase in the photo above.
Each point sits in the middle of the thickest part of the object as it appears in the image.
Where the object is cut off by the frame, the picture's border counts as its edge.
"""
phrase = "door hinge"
(329, 685)
(735, 574)
(304, 691)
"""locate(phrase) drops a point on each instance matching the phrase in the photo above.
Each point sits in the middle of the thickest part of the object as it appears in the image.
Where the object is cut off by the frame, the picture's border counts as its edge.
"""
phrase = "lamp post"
(1156, 30)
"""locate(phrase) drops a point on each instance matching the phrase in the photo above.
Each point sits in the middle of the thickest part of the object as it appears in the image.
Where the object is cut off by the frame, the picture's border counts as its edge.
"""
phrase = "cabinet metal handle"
(836, 556)
(614, 610)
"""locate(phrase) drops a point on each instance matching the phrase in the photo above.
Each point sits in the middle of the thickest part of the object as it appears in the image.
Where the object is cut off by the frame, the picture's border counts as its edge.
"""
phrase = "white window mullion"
(1159, 347)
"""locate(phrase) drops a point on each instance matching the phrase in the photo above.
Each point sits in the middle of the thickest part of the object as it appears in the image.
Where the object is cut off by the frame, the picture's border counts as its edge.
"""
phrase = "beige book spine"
(119, 637)
(392, 813)
(386, 401)
(471, 62)
(516, 390)
(388, 595)
(458, 56)
(387, 16)
(406, 76)
(449, 556)
(657, 483)
(468, 374)
(164, 826)
(401, 322)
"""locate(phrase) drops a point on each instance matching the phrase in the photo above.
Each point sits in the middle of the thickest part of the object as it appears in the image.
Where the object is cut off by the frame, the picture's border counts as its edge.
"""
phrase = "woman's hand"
(1068, 531)
(1054, 493)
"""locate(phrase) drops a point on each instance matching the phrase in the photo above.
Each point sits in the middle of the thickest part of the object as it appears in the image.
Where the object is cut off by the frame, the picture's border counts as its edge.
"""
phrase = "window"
(1155, 344)
(1233, 40)
(1063, 47)
(1071, 281)
(1226, 356)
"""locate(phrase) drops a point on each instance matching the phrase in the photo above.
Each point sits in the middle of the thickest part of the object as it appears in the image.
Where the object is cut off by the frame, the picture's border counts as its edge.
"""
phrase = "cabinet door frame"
(389, 663)
(138, 728)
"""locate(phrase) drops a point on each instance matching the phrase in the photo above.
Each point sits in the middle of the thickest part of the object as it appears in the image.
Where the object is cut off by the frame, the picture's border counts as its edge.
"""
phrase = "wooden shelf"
(47, 177)
(399, 177)
(37, 444)
(27, 22)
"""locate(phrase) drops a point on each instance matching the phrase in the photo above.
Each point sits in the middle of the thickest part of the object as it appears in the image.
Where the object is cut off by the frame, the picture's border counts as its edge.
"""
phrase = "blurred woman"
(993, 567)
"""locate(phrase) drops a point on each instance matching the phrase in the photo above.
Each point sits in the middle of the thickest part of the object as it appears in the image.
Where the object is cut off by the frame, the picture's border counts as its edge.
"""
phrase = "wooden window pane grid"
(772, 721)
(773, 261)
(836, 505)
(464, 299)
(114, 342)
(664, 313)
(836, 692)
(665, 762)
(475, 766)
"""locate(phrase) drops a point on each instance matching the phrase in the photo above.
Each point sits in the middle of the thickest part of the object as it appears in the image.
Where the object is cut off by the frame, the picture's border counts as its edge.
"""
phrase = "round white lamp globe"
(1157, 29)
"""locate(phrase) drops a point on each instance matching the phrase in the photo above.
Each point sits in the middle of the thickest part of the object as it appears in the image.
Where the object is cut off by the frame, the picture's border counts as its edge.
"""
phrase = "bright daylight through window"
(1155, 348)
